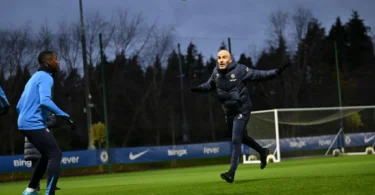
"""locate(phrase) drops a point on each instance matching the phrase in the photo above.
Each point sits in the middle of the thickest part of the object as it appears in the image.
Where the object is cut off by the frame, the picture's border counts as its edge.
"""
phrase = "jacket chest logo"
(233, 78)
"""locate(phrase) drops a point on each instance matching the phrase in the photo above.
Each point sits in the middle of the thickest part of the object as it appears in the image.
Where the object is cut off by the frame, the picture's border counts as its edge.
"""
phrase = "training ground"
(326, 175)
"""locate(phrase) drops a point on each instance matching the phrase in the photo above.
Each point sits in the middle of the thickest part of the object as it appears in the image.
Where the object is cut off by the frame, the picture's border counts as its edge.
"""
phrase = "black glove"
(69, 121)
(196, 89)
(51, 121)
(282, 68)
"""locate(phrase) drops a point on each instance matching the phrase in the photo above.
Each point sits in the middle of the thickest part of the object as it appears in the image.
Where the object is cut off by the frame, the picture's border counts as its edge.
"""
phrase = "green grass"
(330, 175)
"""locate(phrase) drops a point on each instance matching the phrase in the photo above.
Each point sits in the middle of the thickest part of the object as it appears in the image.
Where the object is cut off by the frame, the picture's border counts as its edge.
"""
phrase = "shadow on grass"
(299, 178)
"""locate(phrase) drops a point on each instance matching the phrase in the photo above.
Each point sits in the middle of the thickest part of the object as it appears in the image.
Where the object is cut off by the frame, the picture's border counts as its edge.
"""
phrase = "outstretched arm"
(45, 87)
(205, 87)
(3, 98)
(4, 104)
(261, 75)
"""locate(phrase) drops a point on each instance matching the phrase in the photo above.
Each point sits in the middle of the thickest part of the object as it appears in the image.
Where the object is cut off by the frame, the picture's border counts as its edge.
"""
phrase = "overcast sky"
(205, 22)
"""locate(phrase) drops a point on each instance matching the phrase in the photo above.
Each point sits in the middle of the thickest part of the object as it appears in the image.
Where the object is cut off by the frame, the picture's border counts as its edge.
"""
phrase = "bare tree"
(68, 44)
(3, 48)
(45, 40)
(17, 49)
(157, 102)
(138, 111)
(131, 33)
(17, 52)
(300, 19)
(278, 24)
(161, 43)
(134, 36)
(96, 24)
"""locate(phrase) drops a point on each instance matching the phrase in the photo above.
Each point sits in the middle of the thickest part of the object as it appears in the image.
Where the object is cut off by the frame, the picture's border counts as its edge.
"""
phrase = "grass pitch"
(329, 175)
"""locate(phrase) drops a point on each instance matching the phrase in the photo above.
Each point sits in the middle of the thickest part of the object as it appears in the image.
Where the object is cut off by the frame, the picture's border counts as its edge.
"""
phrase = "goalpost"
(306, 132)
(263, 126)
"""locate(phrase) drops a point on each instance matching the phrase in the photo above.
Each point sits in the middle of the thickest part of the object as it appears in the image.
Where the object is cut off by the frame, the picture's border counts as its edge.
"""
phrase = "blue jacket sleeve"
(258, 75)
(45, 86)
(3, 99)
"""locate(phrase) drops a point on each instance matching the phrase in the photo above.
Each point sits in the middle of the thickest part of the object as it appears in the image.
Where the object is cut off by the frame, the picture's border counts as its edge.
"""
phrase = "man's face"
(54, 63)
(223, 59)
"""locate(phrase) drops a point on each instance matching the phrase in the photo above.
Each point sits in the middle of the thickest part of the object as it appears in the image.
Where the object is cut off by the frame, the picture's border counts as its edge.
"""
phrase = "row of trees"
(144, 93)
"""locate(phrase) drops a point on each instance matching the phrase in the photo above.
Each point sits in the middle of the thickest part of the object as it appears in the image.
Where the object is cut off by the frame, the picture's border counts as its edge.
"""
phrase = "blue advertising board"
(314, 142)
(162, 153)
(87, 158)
(84, 158)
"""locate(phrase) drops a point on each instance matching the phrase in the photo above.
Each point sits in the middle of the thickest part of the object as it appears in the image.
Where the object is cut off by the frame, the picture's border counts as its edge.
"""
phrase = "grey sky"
(205, 22)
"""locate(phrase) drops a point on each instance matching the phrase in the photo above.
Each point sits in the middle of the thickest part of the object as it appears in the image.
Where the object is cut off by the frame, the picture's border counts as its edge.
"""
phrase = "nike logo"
(369, 139)
(268, 145)
(135, 156)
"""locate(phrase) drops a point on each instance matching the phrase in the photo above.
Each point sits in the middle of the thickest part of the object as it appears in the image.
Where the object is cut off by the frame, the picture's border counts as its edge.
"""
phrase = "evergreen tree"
(191, 60)
(246, 60)
(338, 34)
(360, 47)
(223, 46)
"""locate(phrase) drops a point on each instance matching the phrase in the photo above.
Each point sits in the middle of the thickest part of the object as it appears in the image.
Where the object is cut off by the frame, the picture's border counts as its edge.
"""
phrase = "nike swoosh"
(135, 156)
(369, 139)
(268, 145)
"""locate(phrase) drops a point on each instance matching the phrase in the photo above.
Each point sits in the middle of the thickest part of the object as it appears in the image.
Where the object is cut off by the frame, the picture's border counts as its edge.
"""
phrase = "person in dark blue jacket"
(33, 109)
(229, 79)
(32, 154)
(4, 104)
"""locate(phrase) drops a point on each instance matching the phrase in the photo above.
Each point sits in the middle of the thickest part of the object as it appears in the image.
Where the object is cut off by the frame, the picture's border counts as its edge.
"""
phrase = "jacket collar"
(47, 70)
(230, 67)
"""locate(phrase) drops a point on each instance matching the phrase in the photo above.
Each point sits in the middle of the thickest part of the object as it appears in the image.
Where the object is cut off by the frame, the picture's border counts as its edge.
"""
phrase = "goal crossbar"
(313, 109)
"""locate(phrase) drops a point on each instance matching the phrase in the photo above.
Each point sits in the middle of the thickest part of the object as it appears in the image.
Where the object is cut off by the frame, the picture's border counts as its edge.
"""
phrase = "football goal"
(307, 132)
